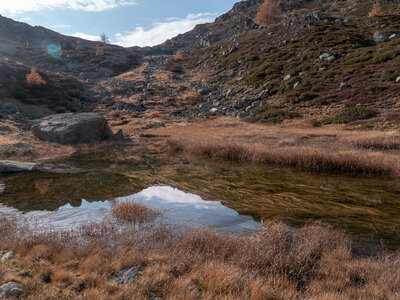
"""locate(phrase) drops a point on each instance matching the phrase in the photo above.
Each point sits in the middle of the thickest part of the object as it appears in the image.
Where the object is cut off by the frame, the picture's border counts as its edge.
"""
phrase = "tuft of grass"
(133, 212)
(350, 114)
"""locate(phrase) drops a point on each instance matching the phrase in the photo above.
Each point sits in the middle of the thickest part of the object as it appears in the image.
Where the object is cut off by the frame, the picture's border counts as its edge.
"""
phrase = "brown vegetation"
(268, 13)
(133, 212)
(318, 149)
(278, 262)
(178, 55)
(33, 78)
(376, 10)
(299, 157)
(154, 114)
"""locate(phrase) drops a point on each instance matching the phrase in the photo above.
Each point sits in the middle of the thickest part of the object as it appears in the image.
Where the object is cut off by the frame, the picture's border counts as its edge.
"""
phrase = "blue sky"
(126, 22)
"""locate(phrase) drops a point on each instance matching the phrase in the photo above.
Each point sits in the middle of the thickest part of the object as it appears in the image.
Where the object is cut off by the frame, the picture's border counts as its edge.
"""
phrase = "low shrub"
(133, 212)
(350, 114)
(383, 57)
(268, 114)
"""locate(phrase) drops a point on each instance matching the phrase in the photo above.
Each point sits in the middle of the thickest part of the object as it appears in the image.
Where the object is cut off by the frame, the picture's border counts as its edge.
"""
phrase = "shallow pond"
(366, 207)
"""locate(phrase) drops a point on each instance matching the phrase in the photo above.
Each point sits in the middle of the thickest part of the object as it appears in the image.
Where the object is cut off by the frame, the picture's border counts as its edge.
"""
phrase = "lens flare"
(54, 50)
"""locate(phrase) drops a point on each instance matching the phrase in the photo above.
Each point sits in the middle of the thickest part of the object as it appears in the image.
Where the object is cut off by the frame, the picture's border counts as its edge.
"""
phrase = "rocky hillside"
(318, 63)
(330, 62)
(68, 66)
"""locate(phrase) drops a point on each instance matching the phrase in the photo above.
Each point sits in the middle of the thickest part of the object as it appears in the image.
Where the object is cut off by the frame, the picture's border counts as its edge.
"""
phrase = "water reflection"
(178, 208)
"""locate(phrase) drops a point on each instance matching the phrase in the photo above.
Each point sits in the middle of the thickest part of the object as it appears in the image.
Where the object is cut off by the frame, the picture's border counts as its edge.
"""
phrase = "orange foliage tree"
(268, 12)
(178, 55)
(33, 78)
(376, 10)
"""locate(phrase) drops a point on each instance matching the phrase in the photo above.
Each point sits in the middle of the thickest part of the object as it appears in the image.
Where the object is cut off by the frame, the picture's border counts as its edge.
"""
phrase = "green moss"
(350, 114)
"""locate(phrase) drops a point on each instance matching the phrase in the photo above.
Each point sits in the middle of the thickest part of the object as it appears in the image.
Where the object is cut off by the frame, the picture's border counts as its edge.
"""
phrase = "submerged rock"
(72, 128)
(11, 289)
(11, 167)
(126, 276)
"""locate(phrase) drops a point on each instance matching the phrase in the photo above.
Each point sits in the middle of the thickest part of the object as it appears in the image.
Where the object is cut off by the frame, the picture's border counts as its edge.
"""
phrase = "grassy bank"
(278, 262)
(307, 158)
(332, 149)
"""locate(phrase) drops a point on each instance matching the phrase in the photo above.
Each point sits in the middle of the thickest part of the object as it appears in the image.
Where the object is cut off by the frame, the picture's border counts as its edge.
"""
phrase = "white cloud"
(161, 31)
(61, 26)
(21, 6)
(86, 36)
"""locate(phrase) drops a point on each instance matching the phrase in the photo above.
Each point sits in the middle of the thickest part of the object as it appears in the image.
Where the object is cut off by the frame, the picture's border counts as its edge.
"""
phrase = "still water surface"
(366, 207)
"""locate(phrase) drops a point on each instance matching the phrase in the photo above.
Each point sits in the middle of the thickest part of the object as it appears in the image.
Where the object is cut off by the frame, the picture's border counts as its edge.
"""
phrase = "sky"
(126, 22)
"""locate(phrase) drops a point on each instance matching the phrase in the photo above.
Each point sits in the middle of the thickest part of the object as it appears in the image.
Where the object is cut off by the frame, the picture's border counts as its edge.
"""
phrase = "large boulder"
(72, 128)
(11, 167)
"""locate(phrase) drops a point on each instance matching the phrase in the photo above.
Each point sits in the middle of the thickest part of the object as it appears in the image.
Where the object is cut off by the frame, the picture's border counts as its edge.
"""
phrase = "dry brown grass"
(388, 142)
(133, 212)
(330, 149)
(307, 158)
(33, 78)
(278, 262)
(154, 114)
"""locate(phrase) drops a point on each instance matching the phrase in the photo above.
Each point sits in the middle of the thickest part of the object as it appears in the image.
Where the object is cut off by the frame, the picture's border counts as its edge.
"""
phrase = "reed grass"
(304, 157)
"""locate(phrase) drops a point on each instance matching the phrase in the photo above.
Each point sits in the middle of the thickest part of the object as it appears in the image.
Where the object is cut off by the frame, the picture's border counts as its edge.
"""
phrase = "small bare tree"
(268, 12)
(104, 38)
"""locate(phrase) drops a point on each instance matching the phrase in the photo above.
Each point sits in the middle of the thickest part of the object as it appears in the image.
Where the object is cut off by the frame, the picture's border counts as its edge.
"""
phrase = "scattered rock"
(330, 59)
(21, 145)
(10, 108)
(324, 56)
(11, 167)
(394, 36)
(344, 86)
(72, 128)
(119, 136)
(213, 110)
(243, 114)
(398, 79)
(126, 276)
(11, 289)
(9, 255)
(287, 77)
(4, 128)
(379, 37)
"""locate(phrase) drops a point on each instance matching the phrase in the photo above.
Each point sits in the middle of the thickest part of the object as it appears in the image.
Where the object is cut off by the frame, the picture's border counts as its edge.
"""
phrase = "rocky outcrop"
(72, 128)
(11, 167)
